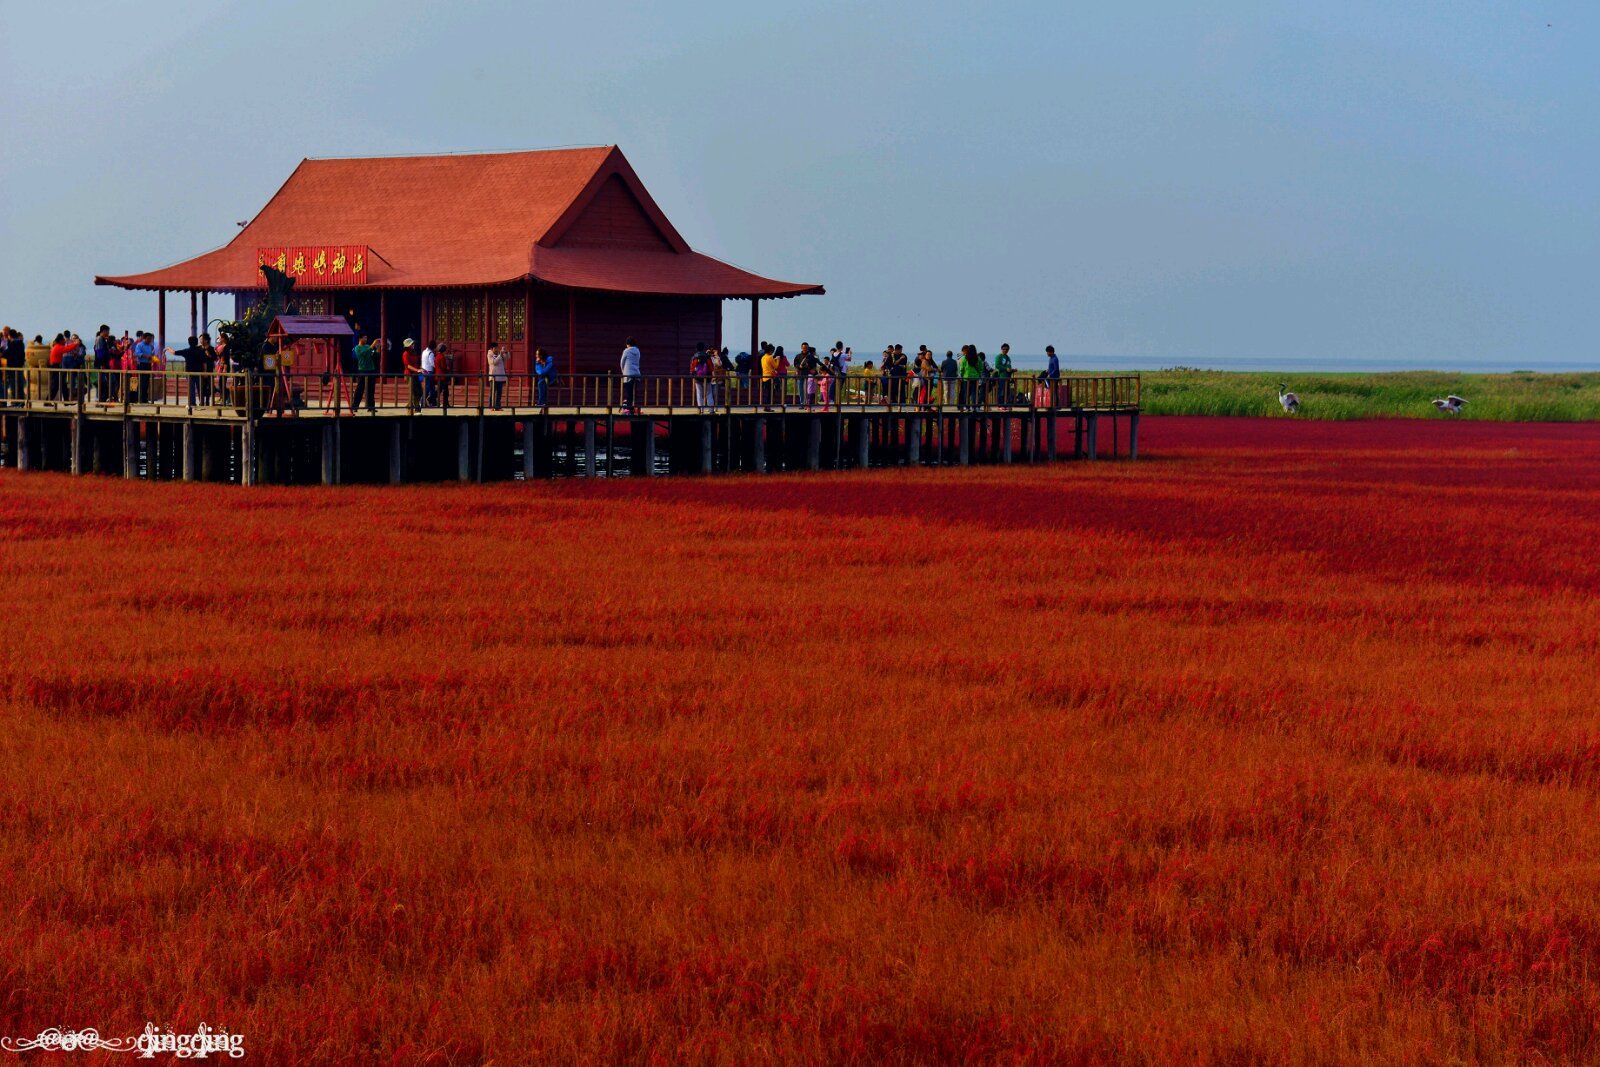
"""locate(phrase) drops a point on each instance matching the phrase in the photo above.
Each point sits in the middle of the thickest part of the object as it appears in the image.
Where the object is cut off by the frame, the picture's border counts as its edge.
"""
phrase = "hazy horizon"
(1272, 182)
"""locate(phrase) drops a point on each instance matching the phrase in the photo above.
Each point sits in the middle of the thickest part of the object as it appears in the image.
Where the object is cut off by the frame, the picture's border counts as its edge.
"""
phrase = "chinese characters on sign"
(318, 264)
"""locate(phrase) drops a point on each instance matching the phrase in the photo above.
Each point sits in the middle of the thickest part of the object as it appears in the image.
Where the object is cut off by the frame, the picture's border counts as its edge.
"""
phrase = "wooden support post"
(75, 427)
(527, 450)
(611, 445)
(1005, 439)
(914, 442)
(863, 435)
(758, 444)
(814, 443)
(161, 320)
(588, 448)
(130, 449)
(205, 313)
(194, 313)
(966, 439)
(397, 448)
(190, 467)
(707, 456)
(463, 451)
(649, 446)
(330, 456)
(572, 333)
(755, 334)
(1050, 436)
(477, 461)
(24, 445)
(1094, 436)
(1133, 436)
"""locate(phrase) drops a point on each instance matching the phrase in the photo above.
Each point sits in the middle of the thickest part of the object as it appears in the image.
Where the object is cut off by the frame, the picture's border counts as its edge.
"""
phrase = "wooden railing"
(247, 393)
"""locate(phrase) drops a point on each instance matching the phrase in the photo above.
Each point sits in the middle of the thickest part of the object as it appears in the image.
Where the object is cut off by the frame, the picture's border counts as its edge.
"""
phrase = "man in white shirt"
(630, 378)
(429, 363)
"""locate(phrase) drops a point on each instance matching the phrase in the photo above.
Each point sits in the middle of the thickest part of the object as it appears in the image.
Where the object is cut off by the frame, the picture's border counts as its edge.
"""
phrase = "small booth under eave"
(562, 250)
(316, 343)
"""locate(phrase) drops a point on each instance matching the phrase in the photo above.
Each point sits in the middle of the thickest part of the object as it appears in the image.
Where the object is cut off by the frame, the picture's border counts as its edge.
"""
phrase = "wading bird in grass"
(1450, 405)
(1290, 402)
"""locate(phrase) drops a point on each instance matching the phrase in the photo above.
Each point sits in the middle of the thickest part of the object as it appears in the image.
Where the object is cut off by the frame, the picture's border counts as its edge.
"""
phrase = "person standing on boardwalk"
(971, 376)
(949, 371)
(769, 374)
(700, 375)
(1002, 374)
(632, 363)
(365, 358)
(544, 368)
(783, 375)
(412, 370)
(429, 368)
(1052, 372)
(721, 369)
(497, 374)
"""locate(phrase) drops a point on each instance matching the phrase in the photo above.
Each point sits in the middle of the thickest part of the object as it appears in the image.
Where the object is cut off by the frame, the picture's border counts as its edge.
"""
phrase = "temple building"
(562, 250)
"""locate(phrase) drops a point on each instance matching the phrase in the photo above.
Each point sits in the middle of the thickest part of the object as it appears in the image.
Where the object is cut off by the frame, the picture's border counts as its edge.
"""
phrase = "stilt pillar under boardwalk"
(75, 427)
(814, 444)
(588, 448)
(24, 444)
(648, 427)
(527, 450)
(1133, 436)
(1094, 437)
(330, 456)
(863, 435)
(1005, 438)
(464, 450)
(187, 445)
(130, 448)
(397, 452)
(1050, 436)
(914, 442)
(965, 427)
(707, 455)
(247, 452)
(758, 445)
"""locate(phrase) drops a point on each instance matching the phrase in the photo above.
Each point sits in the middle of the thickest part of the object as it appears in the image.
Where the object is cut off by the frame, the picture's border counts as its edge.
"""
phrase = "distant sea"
(1082, 362)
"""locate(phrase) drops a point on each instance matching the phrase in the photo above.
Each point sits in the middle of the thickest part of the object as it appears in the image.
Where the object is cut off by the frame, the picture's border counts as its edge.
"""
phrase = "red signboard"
(308, 265)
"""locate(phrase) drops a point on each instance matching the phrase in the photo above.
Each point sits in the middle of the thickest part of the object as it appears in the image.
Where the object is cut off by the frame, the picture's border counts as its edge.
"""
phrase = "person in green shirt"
(366, 358)
(971, 374)
(1002, 375)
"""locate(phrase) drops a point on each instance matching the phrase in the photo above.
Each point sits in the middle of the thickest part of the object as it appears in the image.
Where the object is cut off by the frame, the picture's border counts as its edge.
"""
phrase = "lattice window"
(502, 319)
(519, 320)
(473, 327)
(310, 303)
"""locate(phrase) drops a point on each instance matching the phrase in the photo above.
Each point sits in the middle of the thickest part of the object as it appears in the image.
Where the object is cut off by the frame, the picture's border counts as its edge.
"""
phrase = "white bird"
(1450, 405)
(1290, 402)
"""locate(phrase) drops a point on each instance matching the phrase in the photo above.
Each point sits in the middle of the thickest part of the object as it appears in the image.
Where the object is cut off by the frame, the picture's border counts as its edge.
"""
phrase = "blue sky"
(1405, 181)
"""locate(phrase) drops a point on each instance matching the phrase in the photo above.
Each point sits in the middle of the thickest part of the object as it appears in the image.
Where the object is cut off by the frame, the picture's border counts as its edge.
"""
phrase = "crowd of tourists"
(101, 369)
(35, 370)
(819, 380)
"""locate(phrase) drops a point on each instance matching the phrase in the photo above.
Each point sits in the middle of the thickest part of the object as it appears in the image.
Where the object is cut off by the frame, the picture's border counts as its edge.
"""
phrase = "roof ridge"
(475, 152)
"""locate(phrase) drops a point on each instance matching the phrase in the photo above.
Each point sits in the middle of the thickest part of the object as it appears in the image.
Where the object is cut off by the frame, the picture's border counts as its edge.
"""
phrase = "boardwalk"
(303, 429)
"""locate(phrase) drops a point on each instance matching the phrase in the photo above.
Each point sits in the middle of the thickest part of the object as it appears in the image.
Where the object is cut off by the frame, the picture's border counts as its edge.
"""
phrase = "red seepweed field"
(1281, 745)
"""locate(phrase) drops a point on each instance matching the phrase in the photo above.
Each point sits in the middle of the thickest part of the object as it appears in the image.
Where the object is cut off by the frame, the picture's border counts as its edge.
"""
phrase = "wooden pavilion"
(562, 249)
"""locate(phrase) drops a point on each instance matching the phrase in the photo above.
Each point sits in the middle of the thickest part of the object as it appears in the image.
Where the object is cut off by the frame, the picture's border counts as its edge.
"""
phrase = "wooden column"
(463, 451)
(189, 467)
(205, 312)
(707, 456)
(396, 454)
(383, 335)
(161, 320)
(527, 450)
(914, 442)
(572, 333)
(758, 444)
(755, 335)
(194, 313)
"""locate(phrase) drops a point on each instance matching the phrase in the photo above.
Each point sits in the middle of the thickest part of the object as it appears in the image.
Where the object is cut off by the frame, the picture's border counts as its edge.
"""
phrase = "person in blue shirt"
(144, 353)
(1052, 365)
(544, 368)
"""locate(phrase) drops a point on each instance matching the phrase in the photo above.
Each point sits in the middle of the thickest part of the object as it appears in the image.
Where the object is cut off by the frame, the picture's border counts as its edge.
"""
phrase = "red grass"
(1278, 747)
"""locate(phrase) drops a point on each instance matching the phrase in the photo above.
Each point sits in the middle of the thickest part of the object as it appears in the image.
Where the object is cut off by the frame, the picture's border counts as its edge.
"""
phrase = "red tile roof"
(466, 220)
